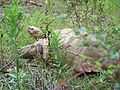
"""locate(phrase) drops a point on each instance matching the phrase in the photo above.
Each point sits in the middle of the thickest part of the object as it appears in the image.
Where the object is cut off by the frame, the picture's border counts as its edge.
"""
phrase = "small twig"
(5, 66)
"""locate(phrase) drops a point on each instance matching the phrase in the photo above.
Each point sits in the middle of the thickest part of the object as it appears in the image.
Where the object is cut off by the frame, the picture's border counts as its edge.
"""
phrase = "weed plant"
(12, 26)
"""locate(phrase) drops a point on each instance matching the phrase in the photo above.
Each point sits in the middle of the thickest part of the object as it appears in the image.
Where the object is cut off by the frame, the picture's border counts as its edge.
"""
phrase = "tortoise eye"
(86, 34)
(32, 29)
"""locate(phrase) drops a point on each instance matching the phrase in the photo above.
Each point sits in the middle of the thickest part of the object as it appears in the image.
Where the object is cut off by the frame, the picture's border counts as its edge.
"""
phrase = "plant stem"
(1, 49)
(17, 62)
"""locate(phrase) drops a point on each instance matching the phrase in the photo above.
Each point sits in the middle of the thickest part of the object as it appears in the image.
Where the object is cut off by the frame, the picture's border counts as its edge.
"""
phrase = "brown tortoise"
(81, 57)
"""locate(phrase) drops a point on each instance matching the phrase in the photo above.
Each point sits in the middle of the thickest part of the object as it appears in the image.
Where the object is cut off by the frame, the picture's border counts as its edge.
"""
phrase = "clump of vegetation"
(12, 27)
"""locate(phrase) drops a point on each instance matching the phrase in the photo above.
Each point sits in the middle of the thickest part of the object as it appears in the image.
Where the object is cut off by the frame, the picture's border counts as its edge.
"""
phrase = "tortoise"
(77, 54)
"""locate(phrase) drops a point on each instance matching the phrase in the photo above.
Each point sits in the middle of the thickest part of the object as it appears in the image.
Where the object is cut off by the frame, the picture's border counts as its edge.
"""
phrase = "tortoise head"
(35, 32)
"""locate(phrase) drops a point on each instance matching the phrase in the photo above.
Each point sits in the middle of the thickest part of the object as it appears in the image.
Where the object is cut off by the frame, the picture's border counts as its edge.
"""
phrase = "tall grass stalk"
(11, 24)
(55, 46)
(1, 47)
